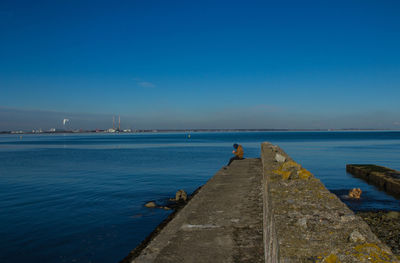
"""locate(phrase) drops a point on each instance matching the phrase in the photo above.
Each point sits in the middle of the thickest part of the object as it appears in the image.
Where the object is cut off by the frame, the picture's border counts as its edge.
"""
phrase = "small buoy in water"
(188, 136)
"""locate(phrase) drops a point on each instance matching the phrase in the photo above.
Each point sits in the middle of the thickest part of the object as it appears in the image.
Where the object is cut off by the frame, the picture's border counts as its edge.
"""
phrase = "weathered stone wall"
(304, 222)
(383, 177)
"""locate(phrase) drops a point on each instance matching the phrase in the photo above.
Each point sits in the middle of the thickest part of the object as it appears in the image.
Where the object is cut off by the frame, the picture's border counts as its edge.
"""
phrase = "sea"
(80, 197)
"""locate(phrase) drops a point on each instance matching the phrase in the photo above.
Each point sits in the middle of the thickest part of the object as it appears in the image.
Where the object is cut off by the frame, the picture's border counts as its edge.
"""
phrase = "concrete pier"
(268, 210)
(222, 223)
(385, 178)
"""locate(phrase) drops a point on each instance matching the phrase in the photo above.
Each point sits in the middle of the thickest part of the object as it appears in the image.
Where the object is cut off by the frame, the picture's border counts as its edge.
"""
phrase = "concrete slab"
(385, 178)
(222, 223)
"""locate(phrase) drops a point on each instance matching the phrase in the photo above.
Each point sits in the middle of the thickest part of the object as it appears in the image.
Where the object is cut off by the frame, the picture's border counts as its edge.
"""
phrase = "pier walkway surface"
(222, 223)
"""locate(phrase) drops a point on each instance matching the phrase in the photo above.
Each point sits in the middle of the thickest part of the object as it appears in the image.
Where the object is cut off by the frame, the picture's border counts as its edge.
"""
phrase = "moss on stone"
(284, 174)
(332, 258)
(303, 173)
(372, 253)
(290, 165)
(292, 170)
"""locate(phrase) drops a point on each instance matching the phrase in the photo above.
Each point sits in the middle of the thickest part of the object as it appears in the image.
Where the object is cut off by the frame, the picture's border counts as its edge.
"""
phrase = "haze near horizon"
(206, 64)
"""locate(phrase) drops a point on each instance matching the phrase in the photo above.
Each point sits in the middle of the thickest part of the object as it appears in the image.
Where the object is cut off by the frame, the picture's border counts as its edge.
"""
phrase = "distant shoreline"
(187, 131)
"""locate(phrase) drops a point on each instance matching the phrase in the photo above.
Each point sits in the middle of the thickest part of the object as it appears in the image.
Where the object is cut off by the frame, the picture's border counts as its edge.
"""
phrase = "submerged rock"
(150, 204)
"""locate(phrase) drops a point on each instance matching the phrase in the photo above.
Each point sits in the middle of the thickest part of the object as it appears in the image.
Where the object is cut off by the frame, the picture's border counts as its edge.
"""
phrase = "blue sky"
(200, 64)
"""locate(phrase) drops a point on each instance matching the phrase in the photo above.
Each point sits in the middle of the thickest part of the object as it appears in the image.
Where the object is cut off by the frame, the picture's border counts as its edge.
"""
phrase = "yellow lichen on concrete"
(371, 253)
(303, 173)
(285, 174)
(279, 172)
(289, 165)
(332, 258)
(332, 196)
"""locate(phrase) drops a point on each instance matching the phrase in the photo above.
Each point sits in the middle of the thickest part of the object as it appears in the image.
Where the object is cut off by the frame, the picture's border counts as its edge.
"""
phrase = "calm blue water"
(79, 198)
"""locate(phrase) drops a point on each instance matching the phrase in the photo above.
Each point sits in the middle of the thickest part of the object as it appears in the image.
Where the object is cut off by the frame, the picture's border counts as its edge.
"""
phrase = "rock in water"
(180, 195)
(355, 193)
(150, 204)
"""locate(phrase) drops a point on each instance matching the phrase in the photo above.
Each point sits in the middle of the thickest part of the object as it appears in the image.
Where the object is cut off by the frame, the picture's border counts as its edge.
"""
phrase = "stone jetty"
(304, 222)
(383, 177)
(265, 210)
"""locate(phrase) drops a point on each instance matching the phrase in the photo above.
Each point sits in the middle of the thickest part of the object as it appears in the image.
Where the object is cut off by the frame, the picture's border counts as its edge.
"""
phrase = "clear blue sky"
(200, 64)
